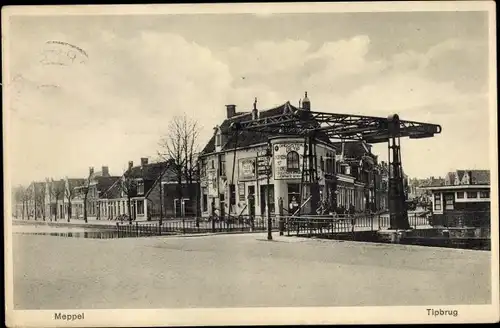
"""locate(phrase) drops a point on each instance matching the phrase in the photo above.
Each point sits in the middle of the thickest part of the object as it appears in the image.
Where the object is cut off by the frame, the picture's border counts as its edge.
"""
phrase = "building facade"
(153, 190)
(244, 174)
(462, 199)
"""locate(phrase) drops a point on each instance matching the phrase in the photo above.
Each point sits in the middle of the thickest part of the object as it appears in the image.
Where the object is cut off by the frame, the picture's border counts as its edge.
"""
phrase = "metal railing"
(242, 223)
(346, 223)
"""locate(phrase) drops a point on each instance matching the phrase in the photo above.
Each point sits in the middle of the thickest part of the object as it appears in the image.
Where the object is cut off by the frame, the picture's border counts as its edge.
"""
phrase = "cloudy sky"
(114, 96)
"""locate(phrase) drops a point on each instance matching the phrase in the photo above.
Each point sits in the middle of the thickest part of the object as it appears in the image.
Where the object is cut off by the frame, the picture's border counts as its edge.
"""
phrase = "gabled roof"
(460, 174)
(58, 184)
(449, 179)
(148, 173)
(352, 149)
(104, 183)
(479, 176)
(249, 138)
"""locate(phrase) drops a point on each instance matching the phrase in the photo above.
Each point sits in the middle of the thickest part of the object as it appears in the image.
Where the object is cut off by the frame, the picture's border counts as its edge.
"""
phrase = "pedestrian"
(294, 205)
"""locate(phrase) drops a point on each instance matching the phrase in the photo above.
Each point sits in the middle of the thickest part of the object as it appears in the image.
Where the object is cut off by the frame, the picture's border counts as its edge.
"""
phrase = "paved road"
(240, 271)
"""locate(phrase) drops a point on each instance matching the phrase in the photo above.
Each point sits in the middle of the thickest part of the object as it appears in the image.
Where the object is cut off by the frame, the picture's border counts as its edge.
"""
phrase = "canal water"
(71, 232)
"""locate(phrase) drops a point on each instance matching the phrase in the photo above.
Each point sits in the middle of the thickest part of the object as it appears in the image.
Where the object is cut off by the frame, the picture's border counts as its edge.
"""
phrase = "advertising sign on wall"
(281, 165)
(241, 192)
(212, 183)
(246, 169)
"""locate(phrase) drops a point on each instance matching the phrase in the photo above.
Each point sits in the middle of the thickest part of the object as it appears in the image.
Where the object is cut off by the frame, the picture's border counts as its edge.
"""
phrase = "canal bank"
(463, 238)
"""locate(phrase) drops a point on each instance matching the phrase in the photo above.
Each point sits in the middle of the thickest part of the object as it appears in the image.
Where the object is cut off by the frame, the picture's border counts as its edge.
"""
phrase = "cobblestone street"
(240, 271)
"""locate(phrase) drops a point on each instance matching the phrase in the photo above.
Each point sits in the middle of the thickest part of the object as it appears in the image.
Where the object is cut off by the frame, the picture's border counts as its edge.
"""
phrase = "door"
(448, 207)
(264, 190)
(177, 208)
(251, 201)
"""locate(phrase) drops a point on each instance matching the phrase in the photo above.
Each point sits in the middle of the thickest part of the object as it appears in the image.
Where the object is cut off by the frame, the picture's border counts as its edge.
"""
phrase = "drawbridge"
(369, 129)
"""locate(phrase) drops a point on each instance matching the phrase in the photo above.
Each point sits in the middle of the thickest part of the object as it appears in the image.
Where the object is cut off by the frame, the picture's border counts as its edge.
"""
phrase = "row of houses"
(243, 174)
(137, 193)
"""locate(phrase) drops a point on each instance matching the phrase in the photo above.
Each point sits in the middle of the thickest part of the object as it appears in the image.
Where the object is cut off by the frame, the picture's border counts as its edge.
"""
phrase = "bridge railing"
(346, 223)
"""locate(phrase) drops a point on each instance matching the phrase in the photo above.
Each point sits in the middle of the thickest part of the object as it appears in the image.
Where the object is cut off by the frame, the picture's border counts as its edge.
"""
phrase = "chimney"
(130, 165)
(255, 112)
(144, 161)
(91, 170)
(231, 110)
(306, 104)
(105, 171)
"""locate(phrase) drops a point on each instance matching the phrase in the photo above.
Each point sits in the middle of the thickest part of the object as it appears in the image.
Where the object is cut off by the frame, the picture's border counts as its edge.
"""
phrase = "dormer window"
(140, 187)
(218, 137)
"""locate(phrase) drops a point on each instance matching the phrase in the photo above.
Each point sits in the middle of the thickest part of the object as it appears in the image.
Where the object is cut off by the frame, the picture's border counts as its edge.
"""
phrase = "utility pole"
(268, 201)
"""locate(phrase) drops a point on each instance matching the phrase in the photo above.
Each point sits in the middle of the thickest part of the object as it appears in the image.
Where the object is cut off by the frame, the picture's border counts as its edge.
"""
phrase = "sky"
(127, 76)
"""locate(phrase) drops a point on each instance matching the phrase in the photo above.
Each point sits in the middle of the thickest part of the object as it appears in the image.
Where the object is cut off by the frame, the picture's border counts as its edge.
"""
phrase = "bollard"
(281, 226)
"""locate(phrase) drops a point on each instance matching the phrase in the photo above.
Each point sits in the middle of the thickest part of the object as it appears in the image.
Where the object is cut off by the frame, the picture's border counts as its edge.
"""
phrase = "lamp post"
(267, 153)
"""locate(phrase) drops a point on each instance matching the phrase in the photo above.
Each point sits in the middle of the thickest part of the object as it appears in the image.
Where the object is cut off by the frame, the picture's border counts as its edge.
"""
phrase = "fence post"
(213, 215)
(281, 223)
(183, 225)
(117, 230)
(137, 228)
(352, 225)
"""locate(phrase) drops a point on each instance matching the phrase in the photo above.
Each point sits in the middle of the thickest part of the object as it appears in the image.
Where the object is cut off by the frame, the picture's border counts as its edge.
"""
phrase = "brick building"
(153, 189)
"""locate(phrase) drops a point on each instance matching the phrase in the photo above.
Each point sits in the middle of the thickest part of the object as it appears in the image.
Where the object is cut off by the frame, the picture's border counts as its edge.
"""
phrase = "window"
(460, 195)
(232, 194)
(484, 194)
(322, 163)
(437, 202)
(292, 161)
(218, 139)
(448, 201)
(330, 164)
(140, 207)
(140, 187)
(471, 194)
(222, 165)
(203, 168)
(119, 209)
(213, 164)
(205, 199)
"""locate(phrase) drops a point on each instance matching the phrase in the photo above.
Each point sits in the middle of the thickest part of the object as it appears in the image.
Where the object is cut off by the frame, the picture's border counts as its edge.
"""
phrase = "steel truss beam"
(337, 126)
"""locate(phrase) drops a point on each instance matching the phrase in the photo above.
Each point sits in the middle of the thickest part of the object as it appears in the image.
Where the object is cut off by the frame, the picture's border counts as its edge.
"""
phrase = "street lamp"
(267, 153)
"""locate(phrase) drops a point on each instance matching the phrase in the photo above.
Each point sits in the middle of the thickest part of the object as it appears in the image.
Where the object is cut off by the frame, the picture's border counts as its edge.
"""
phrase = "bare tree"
(48, 190)
(129, 187)
(39, 197)
(179, 147)
(20, 198)
(28, 195)
(70, 195)
(58, 193)
(86, 190)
